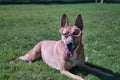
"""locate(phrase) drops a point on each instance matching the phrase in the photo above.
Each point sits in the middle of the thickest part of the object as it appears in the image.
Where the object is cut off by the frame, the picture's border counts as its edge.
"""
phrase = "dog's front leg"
(64, 69)
(67, 73)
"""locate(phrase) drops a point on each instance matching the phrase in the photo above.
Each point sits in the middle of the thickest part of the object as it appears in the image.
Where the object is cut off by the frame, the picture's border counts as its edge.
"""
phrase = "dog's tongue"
(69, 53)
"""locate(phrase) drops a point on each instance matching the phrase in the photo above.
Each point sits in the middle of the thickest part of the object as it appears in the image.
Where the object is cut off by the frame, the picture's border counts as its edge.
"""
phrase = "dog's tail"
(98, 71)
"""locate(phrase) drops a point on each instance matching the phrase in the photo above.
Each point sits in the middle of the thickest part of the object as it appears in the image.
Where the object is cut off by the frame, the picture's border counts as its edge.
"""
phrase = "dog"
(65, 53)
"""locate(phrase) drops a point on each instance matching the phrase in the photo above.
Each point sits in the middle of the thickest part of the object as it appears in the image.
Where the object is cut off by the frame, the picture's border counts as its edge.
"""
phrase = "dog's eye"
(66, 34)
(75, 33)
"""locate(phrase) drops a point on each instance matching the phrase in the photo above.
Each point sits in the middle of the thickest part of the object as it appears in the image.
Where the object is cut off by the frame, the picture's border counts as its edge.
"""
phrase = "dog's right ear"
(64, 21)
(79, 22)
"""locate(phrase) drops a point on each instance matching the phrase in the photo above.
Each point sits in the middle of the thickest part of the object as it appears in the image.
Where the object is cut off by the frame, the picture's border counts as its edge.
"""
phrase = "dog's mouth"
(69, 49)
(69, 52)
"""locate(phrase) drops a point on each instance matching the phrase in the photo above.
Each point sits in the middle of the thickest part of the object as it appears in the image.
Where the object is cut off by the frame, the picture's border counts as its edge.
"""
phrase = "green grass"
(23, 26)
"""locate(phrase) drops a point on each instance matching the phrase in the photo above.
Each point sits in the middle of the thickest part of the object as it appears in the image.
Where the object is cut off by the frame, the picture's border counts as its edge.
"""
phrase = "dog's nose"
(69, 44)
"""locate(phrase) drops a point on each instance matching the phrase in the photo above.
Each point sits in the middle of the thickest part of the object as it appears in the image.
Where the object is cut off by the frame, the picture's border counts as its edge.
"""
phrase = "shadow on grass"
(85, 72)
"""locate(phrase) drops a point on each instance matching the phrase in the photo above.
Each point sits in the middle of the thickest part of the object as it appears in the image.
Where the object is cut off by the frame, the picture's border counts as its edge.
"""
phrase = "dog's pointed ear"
(79, 22)
(64, 21)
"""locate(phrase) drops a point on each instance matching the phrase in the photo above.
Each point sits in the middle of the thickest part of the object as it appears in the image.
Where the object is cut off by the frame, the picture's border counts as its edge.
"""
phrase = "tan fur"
(53, 52)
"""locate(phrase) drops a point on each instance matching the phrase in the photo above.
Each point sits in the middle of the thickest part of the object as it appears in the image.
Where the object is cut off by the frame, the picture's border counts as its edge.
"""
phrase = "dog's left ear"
(79, 22)
(64, 21)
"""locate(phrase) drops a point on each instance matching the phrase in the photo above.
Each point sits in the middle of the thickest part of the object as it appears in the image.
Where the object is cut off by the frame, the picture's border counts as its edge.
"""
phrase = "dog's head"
(71, 36)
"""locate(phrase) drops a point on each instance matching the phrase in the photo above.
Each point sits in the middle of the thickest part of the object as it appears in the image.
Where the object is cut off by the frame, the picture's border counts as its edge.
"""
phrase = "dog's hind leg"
(31, 55)
(23, 58)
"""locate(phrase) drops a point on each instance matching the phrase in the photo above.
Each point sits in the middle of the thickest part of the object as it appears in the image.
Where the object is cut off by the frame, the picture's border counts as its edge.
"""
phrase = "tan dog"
(65, 53)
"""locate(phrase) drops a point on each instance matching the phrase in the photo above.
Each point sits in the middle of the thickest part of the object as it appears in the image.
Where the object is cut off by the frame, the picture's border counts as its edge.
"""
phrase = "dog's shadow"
(85, 72)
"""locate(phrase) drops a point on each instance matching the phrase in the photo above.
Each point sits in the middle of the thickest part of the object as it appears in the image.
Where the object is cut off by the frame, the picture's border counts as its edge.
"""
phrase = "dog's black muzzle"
(70, 43)
(70, 46)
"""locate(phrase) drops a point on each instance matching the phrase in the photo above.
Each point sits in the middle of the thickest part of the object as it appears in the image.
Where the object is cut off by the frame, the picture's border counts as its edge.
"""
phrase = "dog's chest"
(73, 61)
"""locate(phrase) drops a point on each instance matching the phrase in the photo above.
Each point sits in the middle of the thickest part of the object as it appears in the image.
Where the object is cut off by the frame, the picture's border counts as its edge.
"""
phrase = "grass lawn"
(23, 26)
